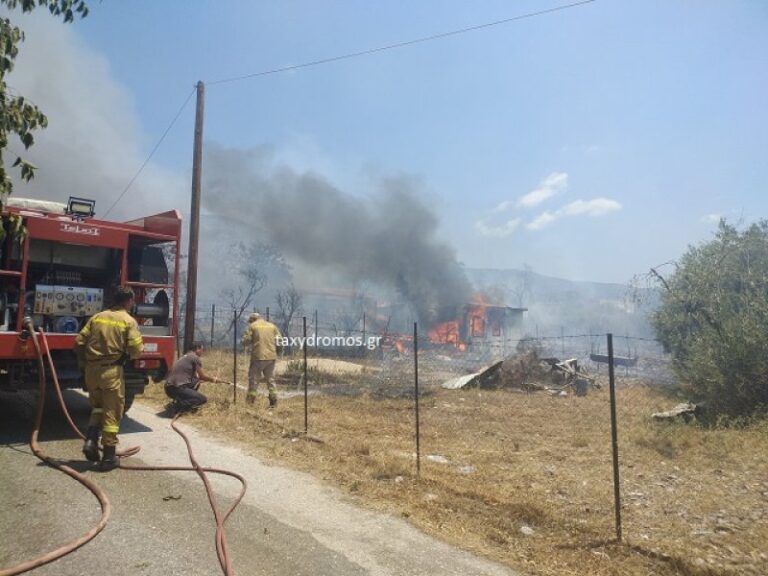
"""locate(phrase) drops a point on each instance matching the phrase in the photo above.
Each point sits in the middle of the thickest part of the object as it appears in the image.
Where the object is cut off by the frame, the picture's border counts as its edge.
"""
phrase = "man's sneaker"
(169, 410)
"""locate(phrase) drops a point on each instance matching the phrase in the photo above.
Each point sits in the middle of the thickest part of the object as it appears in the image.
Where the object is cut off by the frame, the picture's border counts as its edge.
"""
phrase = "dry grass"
(695, 500)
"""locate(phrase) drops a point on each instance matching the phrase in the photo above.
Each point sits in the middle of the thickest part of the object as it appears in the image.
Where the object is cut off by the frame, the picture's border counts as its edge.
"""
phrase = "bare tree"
(644, 289)
(252, 264)
(350, 317)
(521, 290)
(289, 304)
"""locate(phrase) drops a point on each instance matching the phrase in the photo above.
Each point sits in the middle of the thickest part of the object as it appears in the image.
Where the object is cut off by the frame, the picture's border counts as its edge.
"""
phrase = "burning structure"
(478, 325)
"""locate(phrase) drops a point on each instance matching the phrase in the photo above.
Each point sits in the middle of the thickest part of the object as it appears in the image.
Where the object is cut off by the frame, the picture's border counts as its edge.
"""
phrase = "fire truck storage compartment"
(66, 284)
(147, 267)
(146, 263)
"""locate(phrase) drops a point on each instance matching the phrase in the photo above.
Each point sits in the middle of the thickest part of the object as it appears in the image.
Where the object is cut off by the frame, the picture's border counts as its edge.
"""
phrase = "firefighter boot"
(109, 461)
(91, 445)
(272, 401)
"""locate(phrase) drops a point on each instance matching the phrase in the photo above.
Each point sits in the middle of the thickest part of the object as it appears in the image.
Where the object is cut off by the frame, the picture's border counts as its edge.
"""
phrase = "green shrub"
(713, 319)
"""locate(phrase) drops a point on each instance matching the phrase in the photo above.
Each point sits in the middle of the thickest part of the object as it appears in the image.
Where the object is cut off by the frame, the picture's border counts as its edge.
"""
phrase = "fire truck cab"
(59, 266)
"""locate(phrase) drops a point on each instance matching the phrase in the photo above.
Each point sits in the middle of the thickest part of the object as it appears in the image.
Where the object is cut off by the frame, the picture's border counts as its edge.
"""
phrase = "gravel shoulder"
(288, 523)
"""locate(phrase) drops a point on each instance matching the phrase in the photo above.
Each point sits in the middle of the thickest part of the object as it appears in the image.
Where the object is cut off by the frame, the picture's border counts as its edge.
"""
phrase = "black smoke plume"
(388, 237)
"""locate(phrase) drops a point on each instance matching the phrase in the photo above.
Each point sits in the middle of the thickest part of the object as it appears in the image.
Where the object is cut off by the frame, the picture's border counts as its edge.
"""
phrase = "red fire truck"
(59, 265)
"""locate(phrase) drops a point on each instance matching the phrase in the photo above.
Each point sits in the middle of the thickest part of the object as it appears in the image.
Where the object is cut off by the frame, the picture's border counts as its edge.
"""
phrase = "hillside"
(557, 304)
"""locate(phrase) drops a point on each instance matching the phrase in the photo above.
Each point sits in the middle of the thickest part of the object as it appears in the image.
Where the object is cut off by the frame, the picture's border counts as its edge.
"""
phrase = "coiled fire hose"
(222, 550)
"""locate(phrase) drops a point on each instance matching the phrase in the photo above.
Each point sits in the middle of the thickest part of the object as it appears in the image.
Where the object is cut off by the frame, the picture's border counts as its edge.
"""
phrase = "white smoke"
(94, 142)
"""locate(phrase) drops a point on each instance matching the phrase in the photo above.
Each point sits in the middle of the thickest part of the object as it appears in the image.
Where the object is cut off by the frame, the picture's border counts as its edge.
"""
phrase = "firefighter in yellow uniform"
(262, 336)
(108, 339)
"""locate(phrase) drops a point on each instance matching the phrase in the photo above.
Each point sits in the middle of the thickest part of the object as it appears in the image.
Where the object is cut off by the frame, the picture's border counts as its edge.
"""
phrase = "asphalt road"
(288, 523)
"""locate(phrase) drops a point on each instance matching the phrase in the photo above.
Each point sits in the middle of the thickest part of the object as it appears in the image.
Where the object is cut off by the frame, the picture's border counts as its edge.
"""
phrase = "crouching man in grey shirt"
(185, 377)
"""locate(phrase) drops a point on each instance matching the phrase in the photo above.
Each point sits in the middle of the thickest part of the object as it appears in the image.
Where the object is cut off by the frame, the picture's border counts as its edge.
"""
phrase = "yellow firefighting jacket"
(262, 336)
(108, 337)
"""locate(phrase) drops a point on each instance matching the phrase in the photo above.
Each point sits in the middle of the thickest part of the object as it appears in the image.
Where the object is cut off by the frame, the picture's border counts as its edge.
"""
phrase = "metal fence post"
(416, 394)
(306, 393)
(562, 341)
(234, 367)
(315, 331)
(213, 321)
(267, 313)
(614, 439)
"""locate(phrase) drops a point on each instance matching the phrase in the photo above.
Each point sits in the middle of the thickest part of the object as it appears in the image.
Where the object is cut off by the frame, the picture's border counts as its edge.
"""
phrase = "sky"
(591, 143)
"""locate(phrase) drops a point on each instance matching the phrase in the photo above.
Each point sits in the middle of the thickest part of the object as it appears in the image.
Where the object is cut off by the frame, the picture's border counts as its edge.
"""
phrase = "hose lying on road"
(106, 507)
(222, 549)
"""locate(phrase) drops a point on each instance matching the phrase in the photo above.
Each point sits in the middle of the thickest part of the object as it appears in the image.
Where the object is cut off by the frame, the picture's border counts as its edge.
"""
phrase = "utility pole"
(194, 220)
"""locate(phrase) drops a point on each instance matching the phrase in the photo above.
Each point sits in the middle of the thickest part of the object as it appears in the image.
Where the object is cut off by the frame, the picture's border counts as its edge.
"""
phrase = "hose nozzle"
(28, 326)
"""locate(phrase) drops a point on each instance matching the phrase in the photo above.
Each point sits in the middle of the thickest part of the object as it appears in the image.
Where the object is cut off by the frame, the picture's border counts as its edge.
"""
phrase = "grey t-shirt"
(184, 371)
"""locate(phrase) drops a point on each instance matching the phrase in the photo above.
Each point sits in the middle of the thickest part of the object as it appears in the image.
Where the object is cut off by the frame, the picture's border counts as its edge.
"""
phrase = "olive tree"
(713, 319)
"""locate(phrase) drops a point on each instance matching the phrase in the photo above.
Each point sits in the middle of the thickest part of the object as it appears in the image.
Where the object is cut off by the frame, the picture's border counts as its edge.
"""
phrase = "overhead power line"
(336, 59)
(152, 153)
(399, 44)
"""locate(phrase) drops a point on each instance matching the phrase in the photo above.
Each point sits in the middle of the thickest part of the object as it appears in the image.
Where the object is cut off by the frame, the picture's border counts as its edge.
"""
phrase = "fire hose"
(222, 550)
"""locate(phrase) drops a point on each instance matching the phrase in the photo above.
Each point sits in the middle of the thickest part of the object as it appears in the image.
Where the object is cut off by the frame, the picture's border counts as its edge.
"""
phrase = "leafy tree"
(713, 319)
(17, 115)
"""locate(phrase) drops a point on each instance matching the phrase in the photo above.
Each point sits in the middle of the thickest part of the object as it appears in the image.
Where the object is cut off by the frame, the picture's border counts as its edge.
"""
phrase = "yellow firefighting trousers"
(262, 370)
(106, 392)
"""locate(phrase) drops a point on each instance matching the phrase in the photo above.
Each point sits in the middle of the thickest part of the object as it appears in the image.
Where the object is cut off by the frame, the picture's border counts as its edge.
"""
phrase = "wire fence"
(570, 438)
(689, 489)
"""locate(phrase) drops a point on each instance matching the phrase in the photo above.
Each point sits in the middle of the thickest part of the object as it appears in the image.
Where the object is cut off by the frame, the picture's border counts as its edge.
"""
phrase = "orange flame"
(449, 332)
(446, 333)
